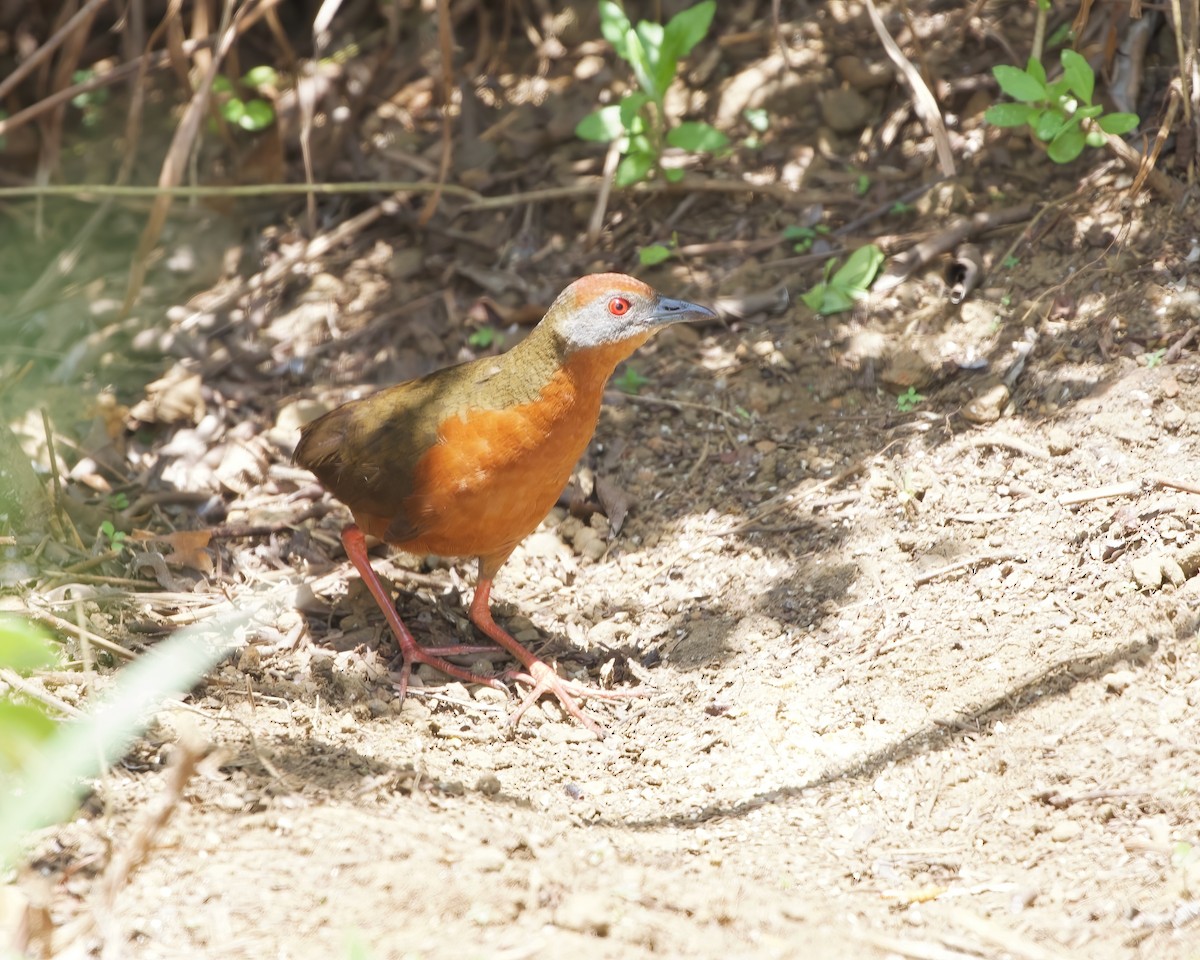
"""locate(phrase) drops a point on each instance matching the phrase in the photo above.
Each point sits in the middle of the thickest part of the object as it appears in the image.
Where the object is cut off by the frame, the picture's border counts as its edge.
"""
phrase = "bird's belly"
(494, 475)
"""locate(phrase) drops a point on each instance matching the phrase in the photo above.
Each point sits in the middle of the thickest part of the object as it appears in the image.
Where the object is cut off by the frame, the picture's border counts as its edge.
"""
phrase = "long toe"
(542, 678)
(401, 668)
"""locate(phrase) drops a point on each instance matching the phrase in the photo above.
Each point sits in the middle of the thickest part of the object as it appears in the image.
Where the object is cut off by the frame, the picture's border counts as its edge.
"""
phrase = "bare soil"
(913, 682)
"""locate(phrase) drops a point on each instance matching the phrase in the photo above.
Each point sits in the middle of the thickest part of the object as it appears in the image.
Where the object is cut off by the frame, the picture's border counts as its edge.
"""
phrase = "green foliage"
(803, 237)
(23, 726)
(862, 184)
(851, 282)
(639, 122)
(900, 208)
(254, 113)
(484, 337)
(656, 253)
(118, 501)
(630, 381)
(91, 101)
(46, 787)
(909, 400)
(759, 122)
(1154, 357)
(757, 118)
(1010, 262)
(1064, 34)
(1059, 114)
(115, 537)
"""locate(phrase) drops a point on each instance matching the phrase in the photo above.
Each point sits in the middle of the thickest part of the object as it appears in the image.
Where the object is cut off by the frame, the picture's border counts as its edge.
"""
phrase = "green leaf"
(1118, 123)
(1060, 36)
(614, 26)
(1078, 74)
(222, 84)
(859, 270)
(233, 111)
(1057, 90)
(47, 787)
(630, 108)
(1067, 145)
(826, 299)
(484, 337)
(630, 380)
(602, 126)
(1018, 84)
(1094, 138)
(654, 254)
(758, 119)
(1008, 114)
(262, 76)
(688, 27)
(23, 646)
(640, 143)
(651, 35)
(258, 116)
(633, 167)
(640, 64)
(1035, 69)
(697, 137)
(1048, 124)
(673, 174)
(1090, 113)
(22, 729)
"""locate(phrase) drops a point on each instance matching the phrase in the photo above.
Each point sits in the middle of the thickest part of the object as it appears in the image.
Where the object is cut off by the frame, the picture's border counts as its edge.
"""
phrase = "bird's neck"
(546, 356)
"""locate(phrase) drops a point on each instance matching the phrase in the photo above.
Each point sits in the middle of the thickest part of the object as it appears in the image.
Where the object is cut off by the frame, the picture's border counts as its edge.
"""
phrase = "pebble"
(1059, 442)
(489, 783)
(1118, 681)
(845, 110)
(584, 913)
(1066, 831)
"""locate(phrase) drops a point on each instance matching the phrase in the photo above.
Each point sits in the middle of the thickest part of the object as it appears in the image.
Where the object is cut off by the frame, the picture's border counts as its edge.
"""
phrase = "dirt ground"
(917, 679)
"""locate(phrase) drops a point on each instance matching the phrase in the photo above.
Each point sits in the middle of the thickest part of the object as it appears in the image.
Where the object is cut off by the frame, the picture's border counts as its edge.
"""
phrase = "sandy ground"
(915, 680)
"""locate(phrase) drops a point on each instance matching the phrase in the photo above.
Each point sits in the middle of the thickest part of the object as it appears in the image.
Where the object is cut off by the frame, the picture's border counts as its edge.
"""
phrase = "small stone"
(1118, 681)
(1059, 442)
(456, 691)
(488, 785)
(862, 75)
(584, 913)
(988, 404)
(377, 707)
(1066, 831)
(250, 660)
(1173, 709)
(845, 110)
(1147, 572)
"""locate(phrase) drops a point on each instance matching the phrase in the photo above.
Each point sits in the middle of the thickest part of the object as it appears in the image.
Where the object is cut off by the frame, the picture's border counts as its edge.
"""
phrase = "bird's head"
(609, 308)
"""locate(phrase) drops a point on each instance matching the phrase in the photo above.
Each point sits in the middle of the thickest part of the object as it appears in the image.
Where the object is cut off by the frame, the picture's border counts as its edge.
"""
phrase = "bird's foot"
(400, 669)
(542, 678)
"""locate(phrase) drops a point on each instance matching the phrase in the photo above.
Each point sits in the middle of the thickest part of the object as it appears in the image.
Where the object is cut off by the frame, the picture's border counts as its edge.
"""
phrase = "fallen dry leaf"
(187, 549)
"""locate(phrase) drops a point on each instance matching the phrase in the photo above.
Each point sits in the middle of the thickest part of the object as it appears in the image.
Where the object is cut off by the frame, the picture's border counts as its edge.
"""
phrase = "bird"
(468, 460)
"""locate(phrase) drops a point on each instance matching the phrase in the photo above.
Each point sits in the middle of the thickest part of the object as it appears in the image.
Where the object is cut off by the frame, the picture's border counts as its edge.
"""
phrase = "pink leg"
(356, 549)
(540, 675)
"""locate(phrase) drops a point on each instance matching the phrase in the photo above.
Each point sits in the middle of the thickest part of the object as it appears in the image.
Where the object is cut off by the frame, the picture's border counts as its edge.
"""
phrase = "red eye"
(618, 306)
